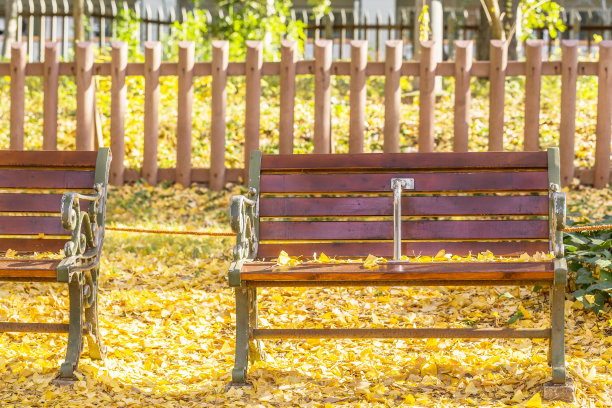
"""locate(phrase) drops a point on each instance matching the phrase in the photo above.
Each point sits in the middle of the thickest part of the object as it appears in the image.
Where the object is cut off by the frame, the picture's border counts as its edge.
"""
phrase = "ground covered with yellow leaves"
(167, 319)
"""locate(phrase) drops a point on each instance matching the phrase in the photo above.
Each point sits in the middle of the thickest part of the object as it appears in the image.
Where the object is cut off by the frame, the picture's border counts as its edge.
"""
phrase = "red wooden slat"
(425, 230)
(28, 268)
(39, 158)
(385, 249)
(32, 244)
(47, 179)
(33, 203)
(400, 271)
(483, 181)
(31, 226)
(411, 206)
(342, 162)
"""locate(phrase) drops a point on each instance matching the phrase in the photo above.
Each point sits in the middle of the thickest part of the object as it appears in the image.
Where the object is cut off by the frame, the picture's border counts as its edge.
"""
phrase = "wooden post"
(118, 107)
(393, 66)
(322, 91)
(427, 71)
(533, 70)
(359, 61)
(18, 66)
(85, 96)
(50, 79)
(254, 60)
(567, 128)
(220, 51)
(151, 111)
(604, 109)
(287, 96)
(185, 106)
(463, 67)
(497, 93)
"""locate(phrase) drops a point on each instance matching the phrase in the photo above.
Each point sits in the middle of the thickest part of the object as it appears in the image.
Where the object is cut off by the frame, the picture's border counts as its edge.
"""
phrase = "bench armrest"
(83, 224)
(557, 220)
(243, 218)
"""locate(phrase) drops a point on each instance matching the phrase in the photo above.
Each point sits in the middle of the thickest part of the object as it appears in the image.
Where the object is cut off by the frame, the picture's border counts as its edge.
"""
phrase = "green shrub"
(589, 257)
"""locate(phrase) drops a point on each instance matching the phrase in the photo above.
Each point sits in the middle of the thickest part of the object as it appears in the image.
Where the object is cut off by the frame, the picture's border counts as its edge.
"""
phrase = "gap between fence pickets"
(85, 70)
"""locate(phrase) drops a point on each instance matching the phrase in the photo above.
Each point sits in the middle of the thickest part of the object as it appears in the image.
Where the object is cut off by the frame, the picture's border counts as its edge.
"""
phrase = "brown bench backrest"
(31, 188)
(342, 204)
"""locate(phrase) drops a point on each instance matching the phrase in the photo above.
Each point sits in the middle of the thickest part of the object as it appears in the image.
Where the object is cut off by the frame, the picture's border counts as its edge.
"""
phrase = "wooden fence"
(322, 67)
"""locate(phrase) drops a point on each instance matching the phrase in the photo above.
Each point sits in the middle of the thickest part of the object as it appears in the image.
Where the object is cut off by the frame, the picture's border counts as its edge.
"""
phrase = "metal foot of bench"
(97, 351)
(238, 385)
(60, 381)
(75, 331)
(559, 392)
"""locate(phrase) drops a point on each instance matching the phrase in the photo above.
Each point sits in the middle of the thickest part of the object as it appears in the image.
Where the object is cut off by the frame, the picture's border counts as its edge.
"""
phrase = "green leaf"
(603, 263)
(601, 245)
(603, 286)
(574, 239)
(515, 317)
(605, 275)
(584, 277)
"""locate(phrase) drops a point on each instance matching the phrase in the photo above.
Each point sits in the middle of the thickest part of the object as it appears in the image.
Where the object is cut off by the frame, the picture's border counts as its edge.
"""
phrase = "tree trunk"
(483, 38)
(10, 26)
(497, 29)
(511, 10)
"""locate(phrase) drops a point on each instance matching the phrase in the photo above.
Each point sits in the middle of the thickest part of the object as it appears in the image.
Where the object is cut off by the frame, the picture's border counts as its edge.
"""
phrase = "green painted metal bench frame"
(244, 213)
(80, 269)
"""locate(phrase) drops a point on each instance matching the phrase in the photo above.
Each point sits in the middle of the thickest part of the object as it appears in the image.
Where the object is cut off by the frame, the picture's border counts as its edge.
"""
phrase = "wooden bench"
(505, 202)
(50, 201)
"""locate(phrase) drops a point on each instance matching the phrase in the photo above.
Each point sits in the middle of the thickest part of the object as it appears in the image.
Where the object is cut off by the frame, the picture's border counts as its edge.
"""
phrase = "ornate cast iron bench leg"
(75, 334)
(560, 388)
(97, 351)
(241, 362)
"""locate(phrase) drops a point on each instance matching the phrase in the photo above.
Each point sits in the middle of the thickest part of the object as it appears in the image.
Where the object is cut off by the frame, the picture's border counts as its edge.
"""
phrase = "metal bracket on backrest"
(398, 185)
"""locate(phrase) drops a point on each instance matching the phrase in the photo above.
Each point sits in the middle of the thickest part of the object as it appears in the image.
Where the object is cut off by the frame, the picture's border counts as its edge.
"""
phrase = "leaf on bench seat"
(371, 262)
(285, 260)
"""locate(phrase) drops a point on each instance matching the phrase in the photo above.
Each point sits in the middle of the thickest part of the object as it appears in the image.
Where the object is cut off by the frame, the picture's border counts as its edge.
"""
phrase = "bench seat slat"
(423, 182)
(343, 162)
(46, 179)
(411, 206)
(31, 225)
(33, 244)
(385, 249)
(414, 230)
(43, 203)
(49, 159)
(268, 271)
(30, 268)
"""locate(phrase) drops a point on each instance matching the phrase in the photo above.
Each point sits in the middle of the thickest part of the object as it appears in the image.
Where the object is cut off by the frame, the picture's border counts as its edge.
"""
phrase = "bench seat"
(400, 271)
(29, 269)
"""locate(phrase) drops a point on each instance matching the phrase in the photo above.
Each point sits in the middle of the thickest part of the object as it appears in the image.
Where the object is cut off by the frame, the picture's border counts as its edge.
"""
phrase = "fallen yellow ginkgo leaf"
(371, 262)
(534, 402)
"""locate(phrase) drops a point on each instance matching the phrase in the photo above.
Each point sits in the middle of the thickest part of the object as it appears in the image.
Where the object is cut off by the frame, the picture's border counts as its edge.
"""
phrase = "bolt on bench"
(47, 198)
(505, 202)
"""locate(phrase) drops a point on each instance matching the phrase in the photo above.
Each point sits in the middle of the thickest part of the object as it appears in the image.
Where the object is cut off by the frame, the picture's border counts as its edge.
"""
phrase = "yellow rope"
(231, 234)
(148, 231)
(588, 228)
